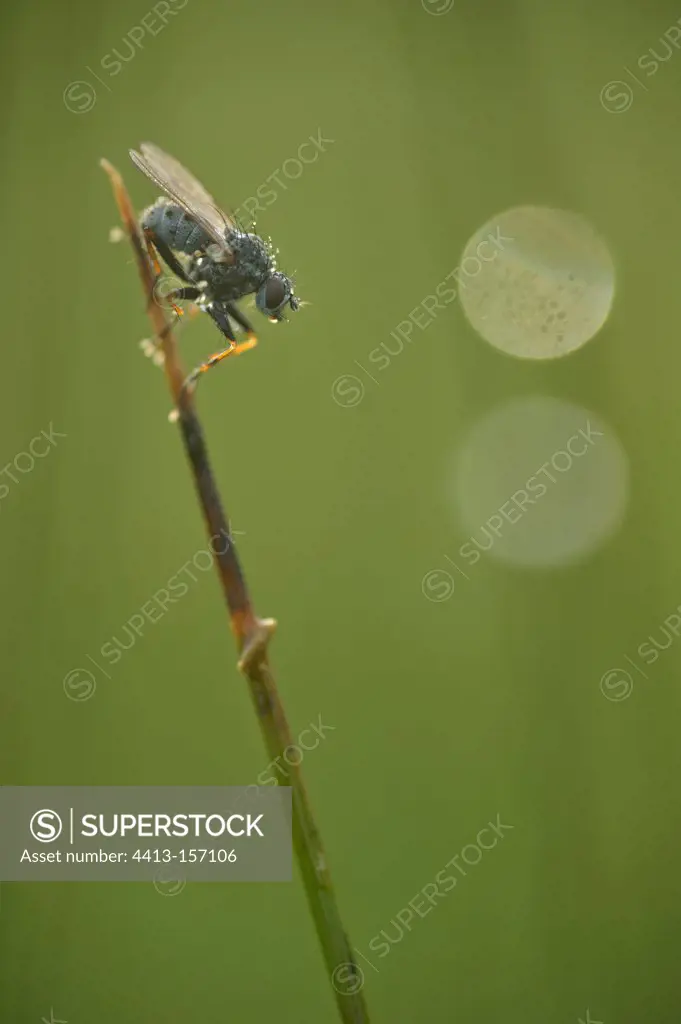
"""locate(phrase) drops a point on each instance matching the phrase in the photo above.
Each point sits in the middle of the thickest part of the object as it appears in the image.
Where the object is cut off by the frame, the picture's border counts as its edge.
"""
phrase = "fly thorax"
(252, 256)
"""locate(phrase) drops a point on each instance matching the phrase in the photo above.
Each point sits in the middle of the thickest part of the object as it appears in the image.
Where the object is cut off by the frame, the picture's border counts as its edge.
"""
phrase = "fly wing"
(177, 182)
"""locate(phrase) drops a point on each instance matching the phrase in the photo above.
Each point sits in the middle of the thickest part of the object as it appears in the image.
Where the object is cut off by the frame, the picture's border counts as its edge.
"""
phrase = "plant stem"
(252, 638)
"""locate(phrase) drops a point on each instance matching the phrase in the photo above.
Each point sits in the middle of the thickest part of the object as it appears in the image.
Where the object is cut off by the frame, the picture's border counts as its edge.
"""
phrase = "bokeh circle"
(539, 482)
(536, 283)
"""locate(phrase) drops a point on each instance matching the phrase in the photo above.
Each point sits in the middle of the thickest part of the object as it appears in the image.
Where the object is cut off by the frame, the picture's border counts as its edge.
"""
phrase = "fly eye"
(275, 293)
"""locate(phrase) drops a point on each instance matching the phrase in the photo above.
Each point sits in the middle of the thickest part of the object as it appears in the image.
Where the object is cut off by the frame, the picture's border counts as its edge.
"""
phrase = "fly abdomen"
(173, 226)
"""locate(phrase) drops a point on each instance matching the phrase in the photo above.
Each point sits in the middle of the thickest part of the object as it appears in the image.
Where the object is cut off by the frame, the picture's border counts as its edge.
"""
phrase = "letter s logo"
(45, 826)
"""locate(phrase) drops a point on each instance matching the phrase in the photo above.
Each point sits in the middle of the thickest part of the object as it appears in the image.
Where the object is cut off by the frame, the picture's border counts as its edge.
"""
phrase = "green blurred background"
(444, 714)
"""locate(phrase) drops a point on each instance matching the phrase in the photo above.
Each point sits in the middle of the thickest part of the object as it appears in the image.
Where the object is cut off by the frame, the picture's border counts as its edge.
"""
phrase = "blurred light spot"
(544, 282)
(540, 482)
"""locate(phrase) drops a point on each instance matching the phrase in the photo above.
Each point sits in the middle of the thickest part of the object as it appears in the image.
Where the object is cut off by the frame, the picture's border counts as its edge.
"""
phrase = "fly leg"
(245, 324)
(187, 294)
(219, 314)
(152, 348)
(221, 319)
(191, 294)
(155, 248)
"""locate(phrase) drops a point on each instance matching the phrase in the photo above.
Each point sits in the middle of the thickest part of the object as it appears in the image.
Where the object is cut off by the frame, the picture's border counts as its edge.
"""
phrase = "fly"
(216, 260)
